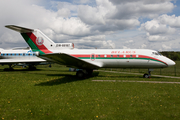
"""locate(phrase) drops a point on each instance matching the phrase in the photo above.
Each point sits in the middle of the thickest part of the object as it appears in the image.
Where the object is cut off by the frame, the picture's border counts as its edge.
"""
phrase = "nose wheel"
(148, 75)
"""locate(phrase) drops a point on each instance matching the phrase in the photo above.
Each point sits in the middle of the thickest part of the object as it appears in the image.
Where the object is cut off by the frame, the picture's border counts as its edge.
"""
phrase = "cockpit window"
(156, 53)
(159, 53)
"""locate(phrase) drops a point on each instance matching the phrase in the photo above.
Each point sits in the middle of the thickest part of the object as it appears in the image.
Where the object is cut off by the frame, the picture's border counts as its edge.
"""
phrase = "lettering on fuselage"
(130, 52)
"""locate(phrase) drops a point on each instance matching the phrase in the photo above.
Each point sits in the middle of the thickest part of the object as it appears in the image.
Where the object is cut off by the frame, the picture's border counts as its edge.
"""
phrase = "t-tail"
(35, 39)
(38, 41)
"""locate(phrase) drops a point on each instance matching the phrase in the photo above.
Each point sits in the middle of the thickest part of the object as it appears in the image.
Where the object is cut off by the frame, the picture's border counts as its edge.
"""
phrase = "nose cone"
(171, 63)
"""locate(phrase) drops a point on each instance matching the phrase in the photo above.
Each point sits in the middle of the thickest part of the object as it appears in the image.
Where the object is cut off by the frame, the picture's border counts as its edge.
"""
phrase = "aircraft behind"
(89, 59)
(20, 56)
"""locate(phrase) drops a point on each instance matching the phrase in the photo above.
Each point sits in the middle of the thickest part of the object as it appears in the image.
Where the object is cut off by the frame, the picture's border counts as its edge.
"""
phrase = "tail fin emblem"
(39, 41)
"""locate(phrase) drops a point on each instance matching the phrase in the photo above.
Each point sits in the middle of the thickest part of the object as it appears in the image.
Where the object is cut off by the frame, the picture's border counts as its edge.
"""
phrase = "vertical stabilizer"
(38, 41)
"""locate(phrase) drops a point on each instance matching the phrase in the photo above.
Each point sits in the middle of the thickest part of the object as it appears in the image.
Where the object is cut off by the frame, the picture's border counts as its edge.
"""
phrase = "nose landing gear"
(148, 75)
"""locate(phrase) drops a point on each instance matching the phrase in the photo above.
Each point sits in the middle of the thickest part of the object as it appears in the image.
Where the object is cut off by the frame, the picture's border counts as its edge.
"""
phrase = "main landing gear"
(10, 68)
(84, 73)
(31, 67)
(148, 75)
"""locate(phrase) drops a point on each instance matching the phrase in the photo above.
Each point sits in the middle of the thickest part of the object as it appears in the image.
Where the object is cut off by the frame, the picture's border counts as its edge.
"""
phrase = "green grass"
(55, 93)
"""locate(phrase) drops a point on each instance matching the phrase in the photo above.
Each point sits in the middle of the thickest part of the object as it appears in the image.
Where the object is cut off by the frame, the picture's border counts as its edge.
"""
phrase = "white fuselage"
(120, 58)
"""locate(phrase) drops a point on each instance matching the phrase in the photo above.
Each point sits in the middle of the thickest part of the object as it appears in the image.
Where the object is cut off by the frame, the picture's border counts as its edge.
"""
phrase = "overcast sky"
(121, 24)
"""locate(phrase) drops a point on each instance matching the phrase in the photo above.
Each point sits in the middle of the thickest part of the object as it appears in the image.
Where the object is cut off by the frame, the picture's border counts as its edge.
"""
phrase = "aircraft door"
(93, 56)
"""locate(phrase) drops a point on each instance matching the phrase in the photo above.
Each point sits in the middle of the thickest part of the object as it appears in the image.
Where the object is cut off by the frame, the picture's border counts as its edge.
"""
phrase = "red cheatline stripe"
(41, 47)
(81, 55)
(120, 56)
(143, 56)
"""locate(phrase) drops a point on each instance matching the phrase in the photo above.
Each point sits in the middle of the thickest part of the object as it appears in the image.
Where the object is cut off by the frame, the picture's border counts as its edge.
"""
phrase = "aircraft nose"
(171, 63)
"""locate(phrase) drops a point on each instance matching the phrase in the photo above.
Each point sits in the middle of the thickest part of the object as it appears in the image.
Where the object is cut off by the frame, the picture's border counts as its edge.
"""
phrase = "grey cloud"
(88, 26)
(138, 9)
(172, 21)
(116, 25)
(143, 1)
(162, 28)
(90, 15)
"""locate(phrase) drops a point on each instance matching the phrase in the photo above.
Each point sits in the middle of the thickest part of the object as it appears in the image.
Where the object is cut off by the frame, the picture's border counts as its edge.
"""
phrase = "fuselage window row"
(17, 54)
(117, 56)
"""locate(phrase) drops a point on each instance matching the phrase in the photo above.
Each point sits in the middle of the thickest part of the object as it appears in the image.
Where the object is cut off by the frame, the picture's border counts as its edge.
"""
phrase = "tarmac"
(136, 81)
(160, 82)
(141, 74)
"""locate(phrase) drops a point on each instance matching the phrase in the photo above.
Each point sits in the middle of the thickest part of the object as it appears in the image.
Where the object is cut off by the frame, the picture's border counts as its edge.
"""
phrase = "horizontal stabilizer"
(19, 29)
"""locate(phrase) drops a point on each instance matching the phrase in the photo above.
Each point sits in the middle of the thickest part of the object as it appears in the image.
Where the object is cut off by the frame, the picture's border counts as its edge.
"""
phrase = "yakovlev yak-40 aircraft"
(89, 59)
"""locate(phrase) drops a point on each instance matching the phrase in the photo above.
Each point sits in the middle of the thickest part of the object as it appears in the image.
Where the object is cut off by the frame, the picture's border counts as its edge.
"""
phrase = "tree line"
(172, 55)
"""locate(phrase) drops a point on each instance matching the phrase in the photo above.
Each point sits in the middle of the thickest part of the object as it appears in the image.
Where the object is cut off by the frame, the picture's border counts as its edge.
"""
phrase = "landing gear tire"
(8, 69)
(84, 73)
(149, 74)
(31, 67)
(89, 72)
(145, 76)
(80, 74)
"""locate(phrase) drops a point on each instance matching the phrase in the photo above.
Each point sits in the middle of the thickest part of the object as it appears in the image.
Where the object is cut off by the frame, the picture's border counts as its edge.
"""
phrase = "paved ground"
(136, 81)
(140, 74)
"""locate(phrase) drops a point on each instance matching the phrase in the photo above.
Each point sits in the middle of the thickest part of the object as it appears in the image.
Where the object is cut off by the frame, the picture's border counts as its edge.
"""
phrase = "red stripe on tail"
(41, 47)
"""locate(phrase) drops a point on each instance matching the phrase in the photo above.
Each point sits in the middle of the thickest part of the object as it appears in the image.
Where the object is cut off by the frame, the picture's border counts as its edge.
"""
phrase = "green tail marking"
(31, 44)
